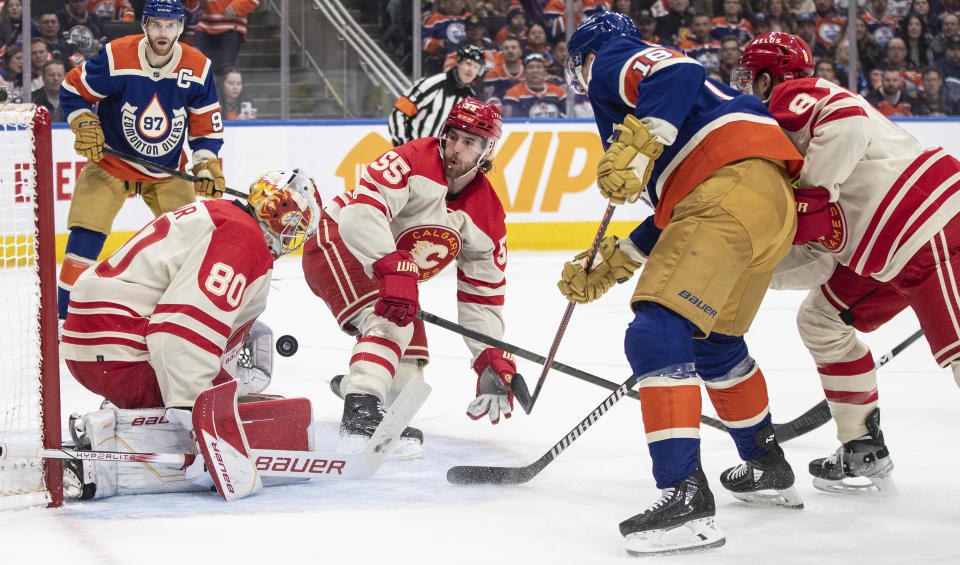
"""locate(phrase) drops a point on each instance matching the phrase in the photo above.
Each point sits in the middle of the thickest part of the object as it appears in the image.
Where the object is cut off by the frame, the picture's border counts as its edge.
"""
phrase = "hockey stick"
(172, 172)
(470, 474)
(527, 402)
(271, 462)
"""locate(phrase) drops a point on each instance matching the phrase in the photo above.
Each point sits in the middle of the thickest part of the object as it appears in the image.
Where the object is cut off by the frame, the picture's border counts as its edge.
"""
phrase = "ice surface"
(407, 513)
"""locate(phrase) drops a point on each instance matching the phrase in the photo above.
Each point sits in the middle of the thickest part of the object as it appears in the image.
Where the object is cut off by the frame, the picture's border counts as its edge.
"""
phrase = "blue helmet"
(589, 36)
(163, 9)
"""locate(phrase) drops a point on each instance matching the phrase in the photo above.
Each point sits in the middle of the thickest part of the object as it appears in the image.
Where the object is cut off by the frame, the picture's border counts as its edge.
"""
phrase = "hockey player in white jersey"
(877, 232)
(417, 209)
(151, 326)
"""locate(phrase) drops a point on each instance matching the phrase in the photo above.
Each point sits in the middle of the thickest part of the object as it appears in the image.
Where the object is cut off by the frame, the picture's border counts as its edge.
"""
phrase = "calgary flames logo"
(279, 210)
(432, 247)
(837, 239)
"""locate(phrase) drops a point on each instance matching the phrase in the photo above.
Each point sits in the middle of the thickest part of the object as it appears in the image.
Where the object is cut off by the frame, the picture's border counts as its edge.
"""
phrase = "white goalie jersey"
(177, 294)
(888, 195)
(400, 204)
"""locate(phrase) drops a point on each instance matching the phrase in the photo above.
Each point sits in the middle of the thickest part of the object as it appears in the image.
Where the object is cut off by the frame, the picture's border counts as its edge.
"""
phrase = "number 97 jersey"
(178, 294)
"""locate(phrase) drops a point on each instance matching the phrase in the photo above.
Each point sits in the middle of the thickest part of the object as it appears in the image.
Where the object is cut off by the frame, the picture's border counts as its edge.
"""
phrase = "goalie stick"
(275, 463)
(172, 172)
(477, 474)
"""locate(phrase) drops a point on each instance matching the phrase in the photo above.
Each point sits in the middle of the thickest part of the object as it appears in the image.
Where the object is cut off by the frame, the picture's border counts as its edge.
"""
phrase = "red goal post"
(29, 360)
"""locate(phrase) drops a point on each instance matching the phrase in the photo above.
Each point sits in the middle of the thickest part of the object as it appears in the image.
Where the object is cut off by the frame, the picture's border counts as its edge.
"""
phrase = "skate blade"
(695, 535)
(786, 498)
(403, 449)
(856, 485)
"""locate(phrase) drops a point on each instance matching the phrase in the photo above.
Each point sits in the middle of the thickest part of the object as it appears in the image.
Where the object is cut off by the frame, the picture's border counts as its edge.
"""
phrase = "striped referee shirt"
(421, 112)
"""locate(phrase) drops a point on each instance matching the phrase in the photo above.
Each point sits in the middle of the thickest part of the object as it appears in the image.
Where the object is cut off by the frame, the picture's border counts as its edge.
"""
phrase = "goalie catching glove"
(88, 140)
(625, 167)
(494, 370)
(211, 183)
(616, 261)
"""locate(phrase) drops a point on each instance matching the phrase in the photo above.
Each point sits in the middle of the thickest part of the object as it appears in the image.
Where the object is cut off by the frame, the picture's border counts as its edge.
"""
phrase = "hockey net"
(29, 363)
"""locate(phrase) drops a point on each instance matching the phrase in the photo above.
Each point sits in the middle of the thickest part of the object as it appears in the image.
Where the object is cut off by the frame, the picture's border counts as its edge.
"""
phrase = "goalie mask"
(286, 204)
(478, 118)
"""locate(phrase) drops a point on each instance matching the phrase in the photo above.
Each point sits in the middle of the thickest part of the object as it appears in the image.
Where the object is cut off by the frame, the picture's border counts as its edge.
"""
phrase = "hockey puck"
(287, 345)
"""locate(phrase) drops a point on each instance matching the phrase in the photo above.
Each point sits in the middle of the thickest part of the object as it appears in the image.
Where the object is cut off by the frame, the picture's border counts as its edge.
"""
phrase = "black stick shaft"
(172, 172)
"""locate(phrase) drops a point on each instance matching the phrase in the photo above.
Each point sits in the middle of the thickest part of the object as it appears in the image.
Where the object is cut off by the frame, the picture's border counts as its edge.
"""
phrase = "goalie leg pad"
(223, 444)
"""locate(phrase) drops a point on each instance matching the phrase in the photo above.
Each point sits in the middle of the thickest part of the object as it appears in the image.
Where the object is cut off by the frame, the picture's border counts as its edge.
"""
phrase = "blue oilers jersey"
(704, 124)
(145, 111)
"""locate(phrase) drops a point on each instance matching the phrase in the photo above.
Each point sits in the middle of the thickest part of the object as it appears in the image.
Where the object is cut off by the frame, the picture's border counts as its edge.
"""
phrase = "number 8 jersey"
(177, 294)
(146, 111)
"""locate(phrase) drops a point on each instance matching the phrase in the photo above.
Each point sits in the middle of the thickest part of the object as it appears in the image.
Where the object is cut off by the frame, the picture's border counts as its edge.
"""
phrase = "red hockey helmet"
(474, 116)
(784, 56)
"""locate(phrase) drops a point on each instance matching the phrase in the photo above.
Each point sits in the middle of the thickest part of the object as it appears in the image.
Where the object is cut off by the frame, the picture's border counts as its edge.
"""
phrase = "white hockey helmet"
(286, 204)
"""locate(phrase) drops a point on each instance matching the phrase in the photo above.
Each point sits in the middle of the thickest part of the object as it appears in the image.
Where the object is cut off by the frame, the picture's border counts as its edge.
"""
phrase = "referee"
(422, 110)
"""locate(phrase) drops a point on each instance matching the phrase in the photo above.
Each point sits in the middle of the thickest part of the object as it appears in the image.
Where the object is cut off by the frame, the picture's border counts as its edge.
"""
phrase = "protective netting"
(21, 481)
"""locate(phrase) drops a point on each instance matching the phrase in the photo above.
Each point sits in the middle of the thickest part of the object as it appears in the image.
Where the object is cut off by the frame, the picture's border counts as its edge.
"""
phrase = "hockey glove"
(397, 275)
(813, 214)
(211, 183)
(494, 370)
(625, 167)
(88, 140)
(616, 261)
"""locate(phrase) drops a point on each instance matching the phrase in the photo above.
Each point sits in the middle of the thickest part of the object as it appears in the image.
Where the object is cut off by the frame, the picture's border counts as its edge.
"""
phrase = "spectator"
(939, 9)
(674, 27)
(933, 99)
(919, 53)
(555, 15)
(537, 42)
(897, 59)
(191, 19)
(950, 68)
(559, 52)
(496, 7)
(39, 54)
(11, 23)
(516, 25)
(48, 29)
(880, 25)
(234, 104)
(827, 70)
(890, 98)
(760, 22)
(11, 73)
(829, 22)
(841, 54)
(647, 25)
(871, 53)
(700, 45)
(950, 27)
(898, 9)
(48, 94)
(781, 18)
(807, 30)
(221, 30)
(729, 57)
(81, 28)
(922, 8)
(112, 10)
(445, 28)
(505, 75)
(475, 36)
(535, 97)
(732, 23)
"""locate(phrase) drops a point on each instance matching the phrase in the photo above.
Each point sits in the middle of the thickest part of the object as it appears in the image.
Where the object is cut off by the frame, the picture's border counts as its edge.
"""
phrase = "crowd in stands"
(908, 50)
(65, 33)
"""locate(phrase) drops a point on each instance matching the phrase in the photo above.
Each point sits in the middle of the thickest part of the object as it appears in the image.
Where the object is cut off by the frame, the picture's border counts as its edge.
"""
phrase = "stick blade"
(481, 475)
(521, 393)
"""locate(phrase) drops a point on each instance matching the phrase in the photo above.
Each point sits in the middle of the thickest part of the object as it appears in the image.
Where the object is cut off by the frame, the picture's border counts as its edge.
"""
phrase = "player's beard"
(455, 166)
(165, 49)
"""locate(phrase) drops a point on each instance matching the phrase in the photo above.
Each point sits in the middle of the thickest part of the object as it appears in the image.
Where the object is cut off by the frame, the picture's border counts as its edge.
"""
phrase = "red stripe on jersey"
(375, 359)
(816, 117)
(110, 340)
(101, 304)
(839, 114)
(792, 102)
(860, 366)
(369, 201)
(187, 335)
(113, 323)
(888, 199)
(478, 282)
(468, 298)
(383, 342)
(195, 313)
(847, 397)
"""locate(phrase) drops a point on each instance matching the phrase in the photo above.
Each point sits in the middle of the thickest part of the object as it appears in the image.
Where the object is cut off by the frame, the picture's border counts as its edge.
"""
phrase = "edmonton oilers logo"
(837, 239)
(432, 247)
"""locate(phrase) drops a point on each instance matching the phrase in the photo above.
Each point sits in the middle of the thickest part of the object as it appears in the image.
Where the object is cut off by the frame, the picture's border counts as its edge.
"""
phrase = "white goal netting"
(21, 481)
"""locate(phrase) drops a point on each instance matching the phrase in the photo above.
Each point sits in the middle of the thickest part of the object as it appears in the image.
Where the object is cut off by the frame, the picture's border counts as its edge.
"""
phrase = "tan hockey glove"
(211, 183)
(625, 167)
(88, 140)
(611, 265)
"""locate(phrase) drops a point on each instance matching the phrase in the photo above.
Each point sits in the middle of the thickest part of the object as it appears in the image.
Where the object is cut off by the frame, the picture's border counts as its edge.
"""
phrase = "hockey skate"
(767, 479)
(361, 416)
(860, 465)
(681, 521)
